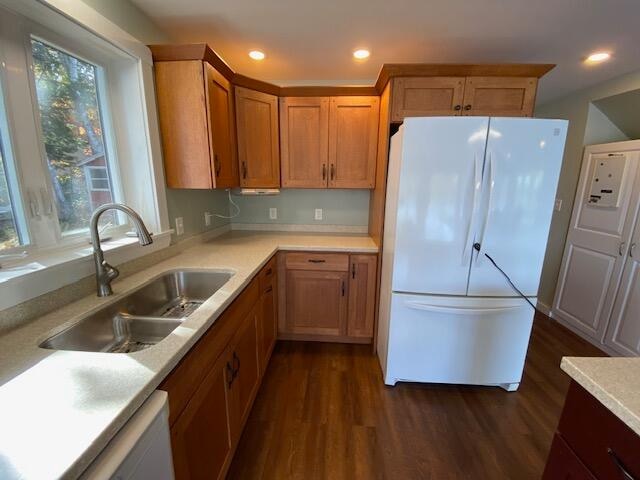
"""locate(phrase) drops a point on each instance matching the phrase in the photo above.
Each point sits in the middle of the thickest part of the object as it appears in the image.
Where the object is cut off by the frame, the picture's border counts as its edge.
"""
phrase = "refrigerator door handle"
(477, 183)
(492, 172)
(459, 310)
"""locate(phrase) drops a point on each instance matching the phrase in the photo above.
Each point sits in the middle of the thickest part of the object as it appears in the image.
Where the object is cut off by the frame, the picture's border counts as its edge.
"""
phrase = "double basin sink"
(143, 317)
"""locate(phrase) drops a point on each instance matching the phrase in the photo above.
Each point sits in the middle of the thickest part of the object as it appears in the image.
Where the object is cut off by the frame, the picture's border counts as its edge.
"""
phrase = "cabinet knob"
(324, 171)
(457, 107)
(244, 170)
(467, 107)
(333, 171)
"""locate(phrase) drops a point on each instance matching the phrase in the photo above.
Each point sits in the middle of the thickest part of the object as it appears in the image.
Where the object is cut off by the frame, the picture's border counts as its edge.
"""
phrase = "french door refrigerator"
(447, 314)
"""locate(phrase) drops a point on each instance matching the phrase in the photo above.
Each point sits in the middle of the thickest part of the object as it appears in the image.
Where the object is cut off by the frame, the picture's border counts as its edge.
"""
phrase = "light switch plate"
(273, 213)
(179, 226)
(318, 215)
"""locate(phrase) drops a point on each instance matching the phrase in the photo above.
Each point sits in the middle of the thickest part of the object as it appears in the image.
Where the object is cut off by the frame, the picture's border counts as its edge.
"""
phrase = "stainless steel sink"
(143, 317)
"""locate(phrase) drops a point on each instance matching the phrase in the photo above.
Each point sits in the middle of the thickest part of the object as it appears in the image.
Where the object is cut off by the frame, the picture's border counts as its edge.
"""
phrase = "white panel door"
(467, 340)
(522, 166)
(623, 332)
(440, 173)
(597, 241)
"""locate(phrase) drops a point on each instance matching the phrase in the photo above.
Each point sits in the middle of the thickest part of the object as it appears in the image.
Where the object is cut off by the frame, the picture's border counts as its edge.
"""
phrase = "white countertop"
(58, 409)
(615, 382)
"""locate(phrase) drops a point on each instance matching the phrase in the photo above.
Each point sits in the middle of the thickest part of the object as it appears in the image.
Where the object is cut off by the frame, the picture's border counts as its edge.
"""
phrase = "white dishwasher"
(141, 450)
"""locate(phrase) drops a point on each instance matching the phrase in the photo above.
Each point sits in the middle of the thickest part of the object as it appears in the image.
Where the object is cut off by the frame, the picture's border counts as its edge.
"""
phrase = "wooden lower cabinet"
(201, 437)
(268, 315)
(327, 297)
(211, 391)
(591, 442)
(316, 302)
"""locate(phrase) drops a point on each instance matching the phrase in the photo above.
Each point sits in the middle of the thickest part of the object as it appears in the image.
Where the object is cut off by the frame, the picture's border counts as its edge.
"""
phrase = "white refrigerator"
(447, 314)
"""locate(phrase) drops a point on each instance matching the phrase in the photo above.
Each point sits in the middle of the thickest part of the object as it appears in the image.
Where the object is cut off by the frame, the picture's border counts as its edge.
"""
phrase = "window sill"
(43, 272)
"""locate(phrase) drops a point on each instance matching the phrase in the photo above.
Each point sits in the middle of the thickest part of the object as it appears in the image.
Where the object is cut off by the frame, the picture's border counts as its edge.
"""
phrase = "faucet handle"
(110, 272)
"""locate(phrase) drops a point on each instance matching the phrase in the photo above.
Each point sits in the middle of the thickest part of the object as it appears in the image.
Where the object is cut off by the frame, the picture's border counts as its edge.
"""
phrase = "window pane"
(9, 236)
(67, 94)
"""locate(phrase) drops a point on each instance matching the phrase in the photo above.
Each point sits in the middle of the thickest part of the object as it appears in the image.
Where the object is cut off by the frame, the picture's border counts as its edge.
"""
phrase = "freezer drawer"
(462, 340)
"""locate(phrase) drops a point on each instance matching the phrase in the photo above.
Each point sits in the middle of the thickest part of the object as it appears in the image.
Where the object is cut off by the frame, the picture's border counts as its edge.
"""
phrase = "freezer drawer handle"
(459, 310)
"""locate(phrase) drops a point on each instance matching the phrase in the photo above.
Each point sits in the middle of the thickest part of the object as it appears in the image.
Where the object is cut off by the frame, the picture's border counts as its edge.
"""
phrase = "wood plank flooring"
(323, 413)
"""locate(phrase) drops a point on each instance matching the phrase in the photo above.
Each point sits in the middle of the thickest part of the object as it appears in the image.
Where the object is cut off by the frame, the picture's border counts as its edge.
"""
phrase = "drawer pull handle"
(353, 270)
(269, 289)
(230, 375)
(269, 271)
(314, 260)
(623, 470)
(236, 370)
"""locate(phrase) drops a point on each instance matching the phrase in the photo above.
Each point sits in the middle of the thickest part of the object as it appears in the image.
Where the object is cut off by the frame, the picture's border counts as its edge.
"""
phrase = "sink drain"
(182, 309)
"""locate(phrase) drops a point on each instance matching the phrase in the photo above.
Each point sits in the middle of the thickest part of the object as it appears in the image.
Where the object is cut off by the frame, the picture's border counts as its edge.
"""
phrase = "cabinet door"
(623, 332)
(362, 295)
(244, 361)
(304, 140)
(182, 116)
(268, 324)
(200, 438)
(563, 464)
(258, 142)
(353, 140)
(426, 96)
(499, 96)
(224, 165)
(316, 302)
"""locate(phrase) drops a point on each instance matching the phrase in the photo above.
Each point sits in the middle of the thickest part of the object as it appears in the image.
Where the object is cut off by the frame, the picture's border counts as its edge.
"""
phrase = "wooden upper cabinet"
(258, 142)
(304, 141)
(196, 118)
(426, 96)
(353, 141)
(221, 129)
(500, 96)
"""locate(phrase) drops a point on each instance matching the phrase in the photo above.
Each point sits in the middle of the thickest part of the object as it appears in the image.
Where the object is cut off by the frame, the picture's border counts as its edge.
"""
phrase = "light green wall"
(600, 129)
(574, 108)
(189, 204)
(340, 207)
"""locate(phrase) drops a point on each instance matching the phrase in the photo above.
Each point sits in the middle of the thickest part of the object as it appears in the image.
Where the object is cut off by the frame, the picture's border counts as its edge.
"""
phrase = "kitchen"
(240, 316)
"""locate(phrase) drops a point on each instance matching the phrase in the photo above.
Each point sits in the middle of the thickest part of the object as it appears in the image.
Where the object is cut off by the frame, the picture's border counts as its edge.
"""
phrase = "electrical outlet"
(318, 214)
(273, 213)
(179, 226)
(558, 205)
(207, 219)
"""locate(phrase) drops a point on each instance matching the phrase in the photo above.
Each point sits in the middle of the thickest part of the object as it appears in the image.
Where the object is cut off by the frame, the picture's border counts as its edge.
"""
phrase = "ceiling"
(624, 111)
(311, 41)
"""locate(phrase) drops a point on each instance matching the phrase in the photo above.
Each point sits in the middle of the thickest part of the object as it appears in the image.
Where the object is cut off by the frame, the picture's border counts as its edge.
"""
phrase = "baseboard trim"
(305, 337)
(289, 227)
(544, 308)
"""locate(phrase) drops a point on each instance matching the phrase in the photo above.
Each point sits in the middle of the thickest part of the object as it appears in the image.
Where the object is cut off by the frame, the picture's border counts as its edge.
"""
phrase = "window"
(72, 132)
(9, 233)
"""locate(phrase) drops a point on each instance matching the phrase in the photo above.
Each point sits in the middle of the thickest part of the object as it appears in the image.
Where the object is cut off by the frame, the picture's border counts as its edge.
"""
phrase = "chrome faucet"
(105, 273)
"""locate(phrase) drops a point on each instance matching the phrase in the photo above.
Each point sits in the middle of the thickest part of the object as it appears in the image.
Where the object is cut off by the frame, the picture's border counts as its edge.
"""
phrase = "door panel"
(316, 302)
(521, 172)
(353, 140)
(362, 294)
(499, 96)
(427, 96)
(441, 163)
(585, 282)
(200, 438)
(603, 232)
(224, 164)
(258, 139)
(269, 323)
(304, 141)
(477, 341)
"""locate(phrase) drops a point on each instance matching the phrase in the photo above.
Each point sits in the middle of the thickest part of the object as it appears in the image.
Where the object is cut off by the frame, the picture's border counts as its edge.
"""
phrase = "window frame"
(135, 137)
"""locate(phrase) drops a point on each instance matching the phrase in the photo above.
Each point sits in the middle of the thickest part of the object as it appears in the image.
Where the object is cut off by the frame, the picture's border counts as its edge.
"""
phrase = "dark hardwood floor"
(323, 413)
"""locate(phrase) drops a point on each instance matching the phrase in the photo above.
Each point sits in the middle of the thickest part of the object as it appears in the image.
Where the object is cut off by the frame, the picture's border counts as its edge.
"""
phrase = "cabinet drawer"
(335, 262)
(563, 464)
(601, 440)
(267, 275)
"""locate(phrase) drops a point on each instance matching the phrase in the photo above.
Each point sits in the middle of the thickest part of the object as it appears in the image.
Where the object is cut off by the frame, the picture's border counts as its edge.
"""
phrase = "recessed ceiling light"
(361, 54)
(257, 55)
(598, 57)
